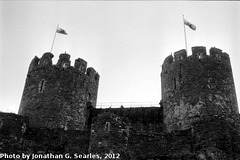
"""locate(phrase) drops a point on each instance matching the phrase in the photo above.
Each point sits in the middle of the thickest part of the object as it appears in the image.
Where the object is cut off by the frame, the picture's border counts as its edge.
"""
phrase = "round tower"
(196, 87)
(58, 96)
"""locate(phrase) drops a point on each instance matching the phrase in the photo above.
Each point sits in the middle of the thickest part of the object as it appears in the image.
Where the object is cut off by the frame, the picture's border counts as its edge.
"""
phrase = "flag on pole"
(61, 31)
(192, 26)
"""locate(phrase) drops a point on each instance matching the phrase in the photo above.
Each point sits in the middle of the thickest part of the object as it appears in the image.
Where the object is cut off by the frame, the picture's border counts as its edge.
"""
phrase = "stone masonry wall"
(114, 134)
(56, 96)
(112, 129)
(216, 138)
(197, 86)
(144, 120)
(16, 137)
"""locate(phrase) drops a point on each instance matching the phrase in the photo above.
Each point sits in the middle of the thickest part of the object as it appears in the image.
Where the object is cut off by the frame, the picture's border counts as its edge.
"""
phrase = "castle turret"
(196, 87)
(59, 96)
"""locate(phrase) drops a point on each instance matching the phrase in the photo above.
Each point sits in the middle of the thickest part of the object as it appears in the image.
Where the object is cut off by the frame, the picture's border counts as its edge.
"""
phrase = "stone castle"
(198, 117)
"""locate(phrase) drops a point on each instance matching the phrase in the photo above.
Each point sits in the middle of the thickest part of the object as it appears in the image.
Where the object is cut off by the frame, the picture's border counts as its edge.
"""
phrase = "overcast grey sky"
(125, 41)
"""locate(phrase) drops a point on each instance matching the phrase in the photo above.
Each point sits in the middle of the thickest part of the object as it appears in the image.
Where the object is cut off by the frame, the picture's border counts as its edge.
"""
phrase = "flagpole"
(54, 38)
(185, 33)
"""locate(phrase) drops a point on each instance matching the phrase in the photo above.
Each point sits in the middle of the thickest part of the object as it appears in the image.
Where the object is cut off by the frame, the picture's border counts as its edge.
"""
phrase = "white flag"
(192, 26)
(61, 31)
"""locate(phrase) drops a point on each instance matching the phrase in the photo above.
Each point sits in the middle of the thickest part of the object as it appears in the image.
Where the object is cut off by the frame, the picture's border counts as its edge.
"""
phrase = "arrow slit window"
(41, 86)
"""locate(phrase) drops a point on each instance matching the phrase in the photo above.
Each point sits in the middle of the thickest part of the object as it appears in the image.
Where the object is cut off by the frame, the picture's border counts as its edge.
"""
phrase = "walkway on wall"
(126, 104)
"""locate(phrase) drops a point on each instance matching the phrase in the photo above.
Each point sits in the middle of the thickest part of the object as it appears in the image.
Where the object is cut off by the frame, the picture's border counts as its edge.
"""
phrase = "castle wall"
(56, 96)
(12, 124)
(112, 134)
(114, 131)
(143, 120)
(16, 137)
(197, 86)
(216, 138)
(214, 132)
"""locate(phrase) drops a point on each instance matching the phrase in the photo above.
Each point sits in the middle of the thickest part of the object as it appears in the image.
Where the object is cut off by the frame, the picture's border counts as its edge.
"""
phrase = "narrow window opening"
(82, 69)
(107, 126)
(200, 55)
(89, 96)
(174, 83)
(65, 65)
(1, 123)
(41, 86)
(218, 56)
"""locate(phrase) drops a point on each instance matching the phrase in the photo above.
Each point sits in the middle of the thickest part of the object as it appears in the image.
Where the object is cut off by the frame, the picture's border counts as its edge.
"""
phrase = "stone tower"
(59, 96)
(197, 87)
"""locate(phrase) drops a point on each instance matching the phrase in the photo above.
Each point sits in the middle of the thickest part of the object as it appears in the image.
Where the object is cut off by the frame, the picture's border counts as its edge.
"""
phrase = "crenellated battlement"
(46, 59)
(179, 55)
(81, 65)
(64, 60)
(198, 53)
(63, 63)
(92, 74)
